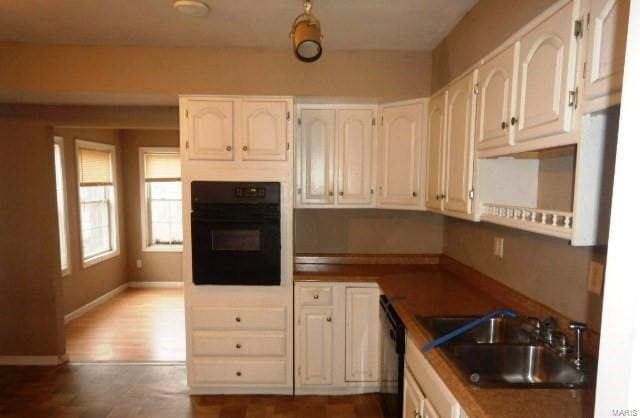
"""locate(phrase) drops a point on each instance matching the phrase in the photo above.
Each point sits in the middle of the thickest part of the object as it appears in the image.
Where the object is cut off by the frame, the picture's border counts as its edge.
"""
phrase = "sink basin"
(517, 366)
(497, 330)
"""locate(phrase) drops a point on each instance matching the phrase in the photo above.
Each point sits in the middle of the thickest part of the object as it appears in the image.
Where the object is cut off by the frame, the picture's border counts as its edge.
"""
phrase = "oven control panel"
(250, 192)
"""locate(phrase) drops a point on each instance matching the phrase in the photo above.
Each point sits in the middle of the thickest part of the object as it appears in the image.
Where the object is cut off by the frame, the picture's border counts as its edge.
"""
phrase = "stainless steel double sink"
(501, 353)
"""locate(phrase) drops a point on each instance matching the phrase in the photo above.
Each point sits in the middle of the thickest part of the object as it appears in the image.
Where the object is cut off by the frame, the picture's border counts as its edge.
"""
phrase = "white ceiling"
(346, 24)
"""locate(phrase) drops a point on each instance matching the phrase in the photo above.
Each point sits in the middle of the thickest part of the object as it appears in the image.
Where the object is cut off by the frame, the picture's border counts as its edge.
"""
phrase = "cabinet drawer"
(206, 343)
(239, 372)
(234, 318)
(441, 399)
(316, 296)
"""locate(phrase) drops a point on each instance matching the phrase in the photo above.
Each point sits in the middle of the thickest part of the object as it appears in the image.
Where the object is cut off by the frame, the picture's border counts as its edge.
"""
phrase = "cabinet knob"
(437, 197)
(414, 194)
(514, 120)
(228, 147)
(238, 346)
(504, 125)
(341, 193)
(245, 148)
(330, 193)
(238, 373)
(328, 319)
(316, 296)
(238, 319)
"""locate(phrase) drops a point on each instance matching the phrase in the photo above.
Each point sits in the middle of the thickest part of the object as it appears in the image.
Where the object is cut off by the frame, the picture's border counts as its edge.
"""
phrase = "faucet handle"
(578, 326)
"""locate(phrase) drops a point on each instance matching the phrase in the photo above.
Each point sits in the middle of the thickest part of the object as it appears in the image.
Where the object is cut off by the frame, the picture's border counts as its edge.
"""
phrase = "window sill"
(99, 258)
(163, 249)
(66, 272)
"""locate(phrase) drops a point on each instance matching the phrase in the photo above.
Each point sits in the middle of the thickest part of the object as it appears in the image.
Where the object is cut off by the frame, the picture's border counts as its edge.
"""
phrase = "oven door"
(235, 251)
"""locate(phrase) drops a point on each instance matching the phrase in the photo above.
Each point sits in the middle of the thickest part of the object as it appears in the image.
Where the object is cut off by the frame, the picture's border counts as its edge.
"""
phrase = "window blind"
(161, 167)
(95, 167)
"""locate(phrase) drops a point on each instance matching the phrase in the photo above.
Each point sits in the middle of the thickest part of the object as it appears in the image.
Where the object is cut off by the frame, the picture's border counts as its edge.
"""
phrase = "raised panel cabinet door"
(459, 146)
(547, 75)
(317, 141)
(495, 87)
(607, 38)
(210, 129)
(354, 156)
(316, 345)
(412, 398)
(362, 359)
(264, 130)
(400, 154)
(436, 124)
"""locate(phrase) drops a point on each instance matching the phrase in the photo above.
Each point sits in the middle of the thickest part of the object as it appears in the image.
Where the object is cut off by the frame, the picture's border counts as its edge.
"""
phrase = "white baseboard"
(84, 309)
(339, 390)
(33, 360)
(157, 284)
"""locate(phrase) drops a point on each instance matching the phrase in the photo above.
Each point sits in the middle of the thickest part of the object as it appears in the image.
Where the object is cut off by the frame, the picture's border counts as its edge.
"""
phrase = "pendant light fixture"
(306, 35)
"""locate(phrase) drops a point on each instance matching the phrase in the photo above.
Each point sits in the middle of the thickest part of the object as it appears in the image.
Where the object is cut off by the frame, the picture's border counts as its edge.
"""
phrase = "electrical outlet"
(596, 277)
(139, 264)
(498, 246)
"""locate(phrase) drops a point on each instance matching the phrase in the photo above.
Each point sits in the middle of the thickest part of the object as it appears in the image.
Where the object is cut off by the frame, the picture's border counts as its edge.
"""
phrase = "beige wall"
(546, 269)
(85, 284)
(37, 73)
(484, 27)
(30, 282)
(156, 266)
(367, 231)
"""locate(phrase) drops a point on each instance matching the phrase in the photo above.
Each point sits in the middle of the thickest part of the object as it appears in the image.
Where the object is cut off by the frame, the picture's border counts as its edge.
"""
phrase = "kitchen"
(536, 271)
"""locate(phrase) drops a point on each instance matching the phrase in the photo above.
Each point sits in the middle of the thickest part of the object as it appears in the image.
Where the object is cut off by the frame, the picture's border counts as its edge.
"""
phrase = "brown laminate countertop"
(429, 290)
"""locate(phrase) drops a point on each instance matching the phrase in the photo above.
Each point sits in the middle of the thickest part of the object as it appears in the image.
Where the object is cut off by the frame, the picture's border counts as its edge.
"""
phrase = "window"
(161, 192)
(98, 203)
(61, 198)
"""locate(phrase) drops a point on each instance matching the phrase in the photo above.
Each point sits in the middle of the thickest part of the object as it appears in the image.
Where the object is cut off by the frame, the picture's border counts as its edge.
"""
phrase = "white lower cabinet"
(337, 338)
(425, 394)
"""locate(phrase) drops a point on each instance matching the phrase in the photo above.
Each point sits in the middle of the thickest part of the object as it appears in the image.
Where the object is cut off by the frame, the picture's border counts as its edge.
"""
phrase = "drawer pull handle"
(238, 346)
(316, 296)
(238, 373)
(238, 319)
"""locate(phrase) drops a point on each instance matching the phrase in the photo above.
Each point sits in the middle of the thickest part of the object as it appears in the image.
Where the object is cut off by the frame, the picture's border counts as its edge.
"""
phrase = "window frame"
(58, 140)
(115, 228)
(144, 211)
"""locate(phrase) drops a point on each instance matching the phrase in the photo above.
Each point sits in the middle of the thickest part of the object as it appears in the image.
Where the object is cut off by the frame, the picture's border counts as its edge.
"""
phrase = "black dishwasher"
(393, 345)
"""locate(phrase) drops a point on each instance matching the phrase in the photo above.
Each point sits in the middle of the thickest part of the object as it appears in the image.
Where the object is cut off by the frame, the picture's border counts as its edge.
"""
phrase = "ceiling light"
(306, 35)
(191, 7)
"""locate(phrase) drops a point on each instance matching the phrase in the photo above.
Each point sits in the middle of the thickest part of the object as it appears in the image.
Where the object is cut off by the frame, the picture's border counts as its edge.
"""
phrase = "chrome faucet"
(579, 328)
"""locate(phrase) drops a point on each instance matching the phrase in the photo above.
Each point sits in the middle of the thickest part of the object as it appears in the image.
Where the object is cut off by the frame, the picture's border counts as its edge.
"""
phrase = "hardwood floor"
(151, 391)
(136, 325)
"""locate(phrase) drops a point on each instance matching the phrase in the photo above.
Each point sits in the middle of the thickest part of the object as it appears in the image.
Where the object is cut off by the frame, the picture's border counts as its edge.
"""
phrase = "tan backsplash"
(352, 231)
(546, 269)
(156, 266)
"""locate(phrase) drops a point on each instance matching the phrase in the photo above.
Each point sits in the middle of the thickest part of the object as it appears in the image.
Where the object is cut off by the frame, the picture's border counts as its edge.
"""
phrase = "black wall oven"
(235, 233)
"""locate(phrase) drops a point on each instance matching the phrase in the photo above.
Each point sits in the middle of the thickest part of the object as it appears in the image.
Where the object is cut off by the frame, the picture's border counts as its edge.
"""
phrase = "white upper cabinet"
(210, 129)
(548, 54)
(400, 155)
(607, 35)
(317, 142)
(495, 89)
(264, 130)
(354, 156)
(459, 145)
(362, 335)
(436, 124)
